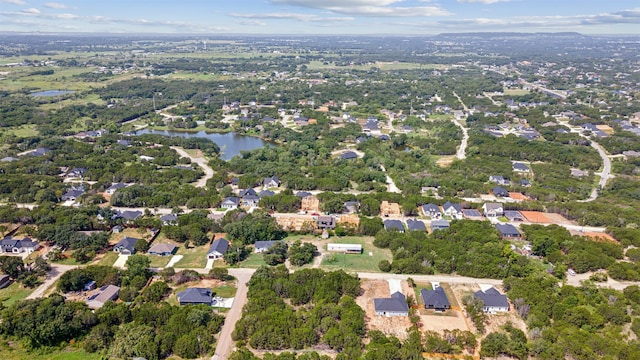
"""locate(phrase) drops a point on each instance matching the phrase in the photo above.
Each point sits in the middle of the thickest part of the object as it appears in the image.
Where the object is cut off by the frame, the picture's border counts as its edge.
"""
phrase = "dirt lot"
(558, 219)
(438, 322)
(395, 325)
(535, 217)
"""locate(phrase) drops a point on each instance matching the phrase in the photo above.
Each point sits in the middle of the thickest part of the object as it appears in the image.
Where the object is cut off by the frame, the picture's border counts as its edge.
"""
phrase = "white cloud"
(486, 2)
(14, 2)
(252, 23)
(379, 8)
(55, 5)
(292, 16)
(31, 11)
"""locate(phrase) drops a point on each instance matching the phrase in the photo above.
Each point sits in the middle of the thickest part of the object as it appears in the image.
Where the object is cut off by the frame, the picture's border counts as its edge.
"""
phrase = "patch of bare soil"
(394, 325)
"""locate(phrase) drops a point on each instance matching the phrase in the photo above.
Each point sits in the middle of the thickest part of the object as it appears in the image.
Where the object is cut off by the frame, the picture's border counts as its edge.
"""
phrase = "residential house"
(348, 155)
(116, 229)
(371, 126)
(513, 216)
(303, 194)
(352, 207)
(508, 231)
(263, 246)
(73, 194)
(498, 179)
(520, 167)
(230, 203)
(76, 172)
(115, 186)
(126, 246)
(415, 225)
(250, 200)
(525, 183)
(326, 222)
(384, 137)
(396, 305)
(271, 182)
(266, 193)
(169, 219)
(195, 296)
(247, 192)
(439, 225)
(432, 211)
(217, 249)
(102, 295)
(492, 209)
(393, 225)
(453, 210)
(89, 285)
(146, 158)
(13, 246)
(493, 301)
(129, 215)
(162, 249)
(499, 191)
(435, 299)
(37, 152)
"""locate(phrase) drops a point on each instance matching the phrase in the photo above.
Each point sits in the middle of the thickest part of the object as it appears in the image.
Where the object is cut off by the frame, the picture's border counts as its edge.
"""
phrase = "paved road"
(202, 162)
(224, 347)
(462, 150)
(53, 275)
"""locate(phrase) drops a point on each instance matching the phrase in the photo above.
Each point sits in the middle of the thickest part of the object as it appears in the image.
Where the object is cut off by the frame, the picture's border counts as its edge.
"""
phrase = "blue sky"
(321, 16)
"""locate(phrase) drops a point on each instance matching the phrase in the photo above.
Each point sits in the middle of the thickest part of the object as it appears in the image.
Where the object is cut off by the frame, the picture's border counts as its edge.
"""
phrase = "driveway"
(202, 162)
(52, 276)
(224, 347)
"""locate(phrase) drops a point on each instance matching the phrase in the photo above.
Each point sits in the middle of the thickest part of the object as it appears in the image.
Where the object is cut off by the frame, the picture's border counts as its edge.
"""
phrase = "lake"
(230, 144)
(50, 93)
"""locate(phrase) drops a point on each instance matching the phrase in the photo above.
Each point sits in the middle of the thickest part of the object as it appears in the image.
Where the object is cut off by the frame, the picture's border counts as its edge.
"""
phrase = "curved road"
(462, 151)
(605, 175)
(202, 162)
(391, 185)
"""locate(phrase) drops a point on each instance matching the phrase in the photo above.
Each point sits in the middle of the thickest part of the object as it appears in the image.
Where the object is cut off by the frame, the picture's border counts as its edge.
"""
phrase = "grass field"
(16, 353)
(254, 261)
(22, 131)
(108, 259)
(159, 261)
(389, 66)
(515, 92)
(193, 257)
(13, 293)
(357, 262)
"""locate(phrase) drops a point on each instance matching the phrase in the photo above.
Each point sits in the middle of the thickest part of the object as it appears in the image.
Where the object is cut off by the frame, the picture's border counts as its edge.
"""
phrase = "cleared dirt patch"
(445, 161)
(535, 217)
(558, 219)
(395, 325)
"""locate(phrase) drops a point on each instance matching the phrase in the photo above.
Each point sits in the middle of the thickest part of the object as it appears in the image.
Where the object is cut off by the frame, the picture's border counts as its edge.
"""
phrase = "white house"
(492, 209)
(493, 301)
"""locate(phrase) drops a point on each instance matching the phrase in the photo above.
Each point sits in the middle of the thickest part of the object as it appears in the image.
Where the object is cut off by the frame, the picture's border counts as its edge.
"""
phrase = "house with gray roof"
(230, 203)
(432, 211)
(348, 155)
(326, 222)
(508, 231)
(251, 200)
(73, 194)
(271, 182)
(513, 215)
(453, 210)
(499, 191)
(99, 297)
(492, 209)
(14, 246)
(266, 193)
(396, 305)
(499, 180)
(415, 225)
(129, 215)
(169, 219)
(493, 301)
(352, 206)
(195, 296)
(115, 186)
(217, 249)
(126, 246)
(395, 225)
(435, 299)
(440, 224)
(263, 246)
(520, 167)
(162, 249)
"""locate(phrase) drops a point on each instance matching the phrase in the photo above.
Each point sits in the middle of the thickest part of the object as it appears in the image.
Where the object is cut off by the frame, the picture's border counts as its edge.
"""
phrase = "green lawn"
(225, 291)
(108, 259)
(355, 262)
(192, 257)
(254, 261)
(159, 261)
(22, 131)
(13, 293)
(15, 352)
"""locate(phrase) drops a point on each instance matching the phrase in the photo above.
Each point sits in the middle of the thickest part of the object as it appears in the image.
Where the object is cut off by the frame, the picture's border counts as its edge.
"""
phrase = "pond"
(50, 93)
(230, 144)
